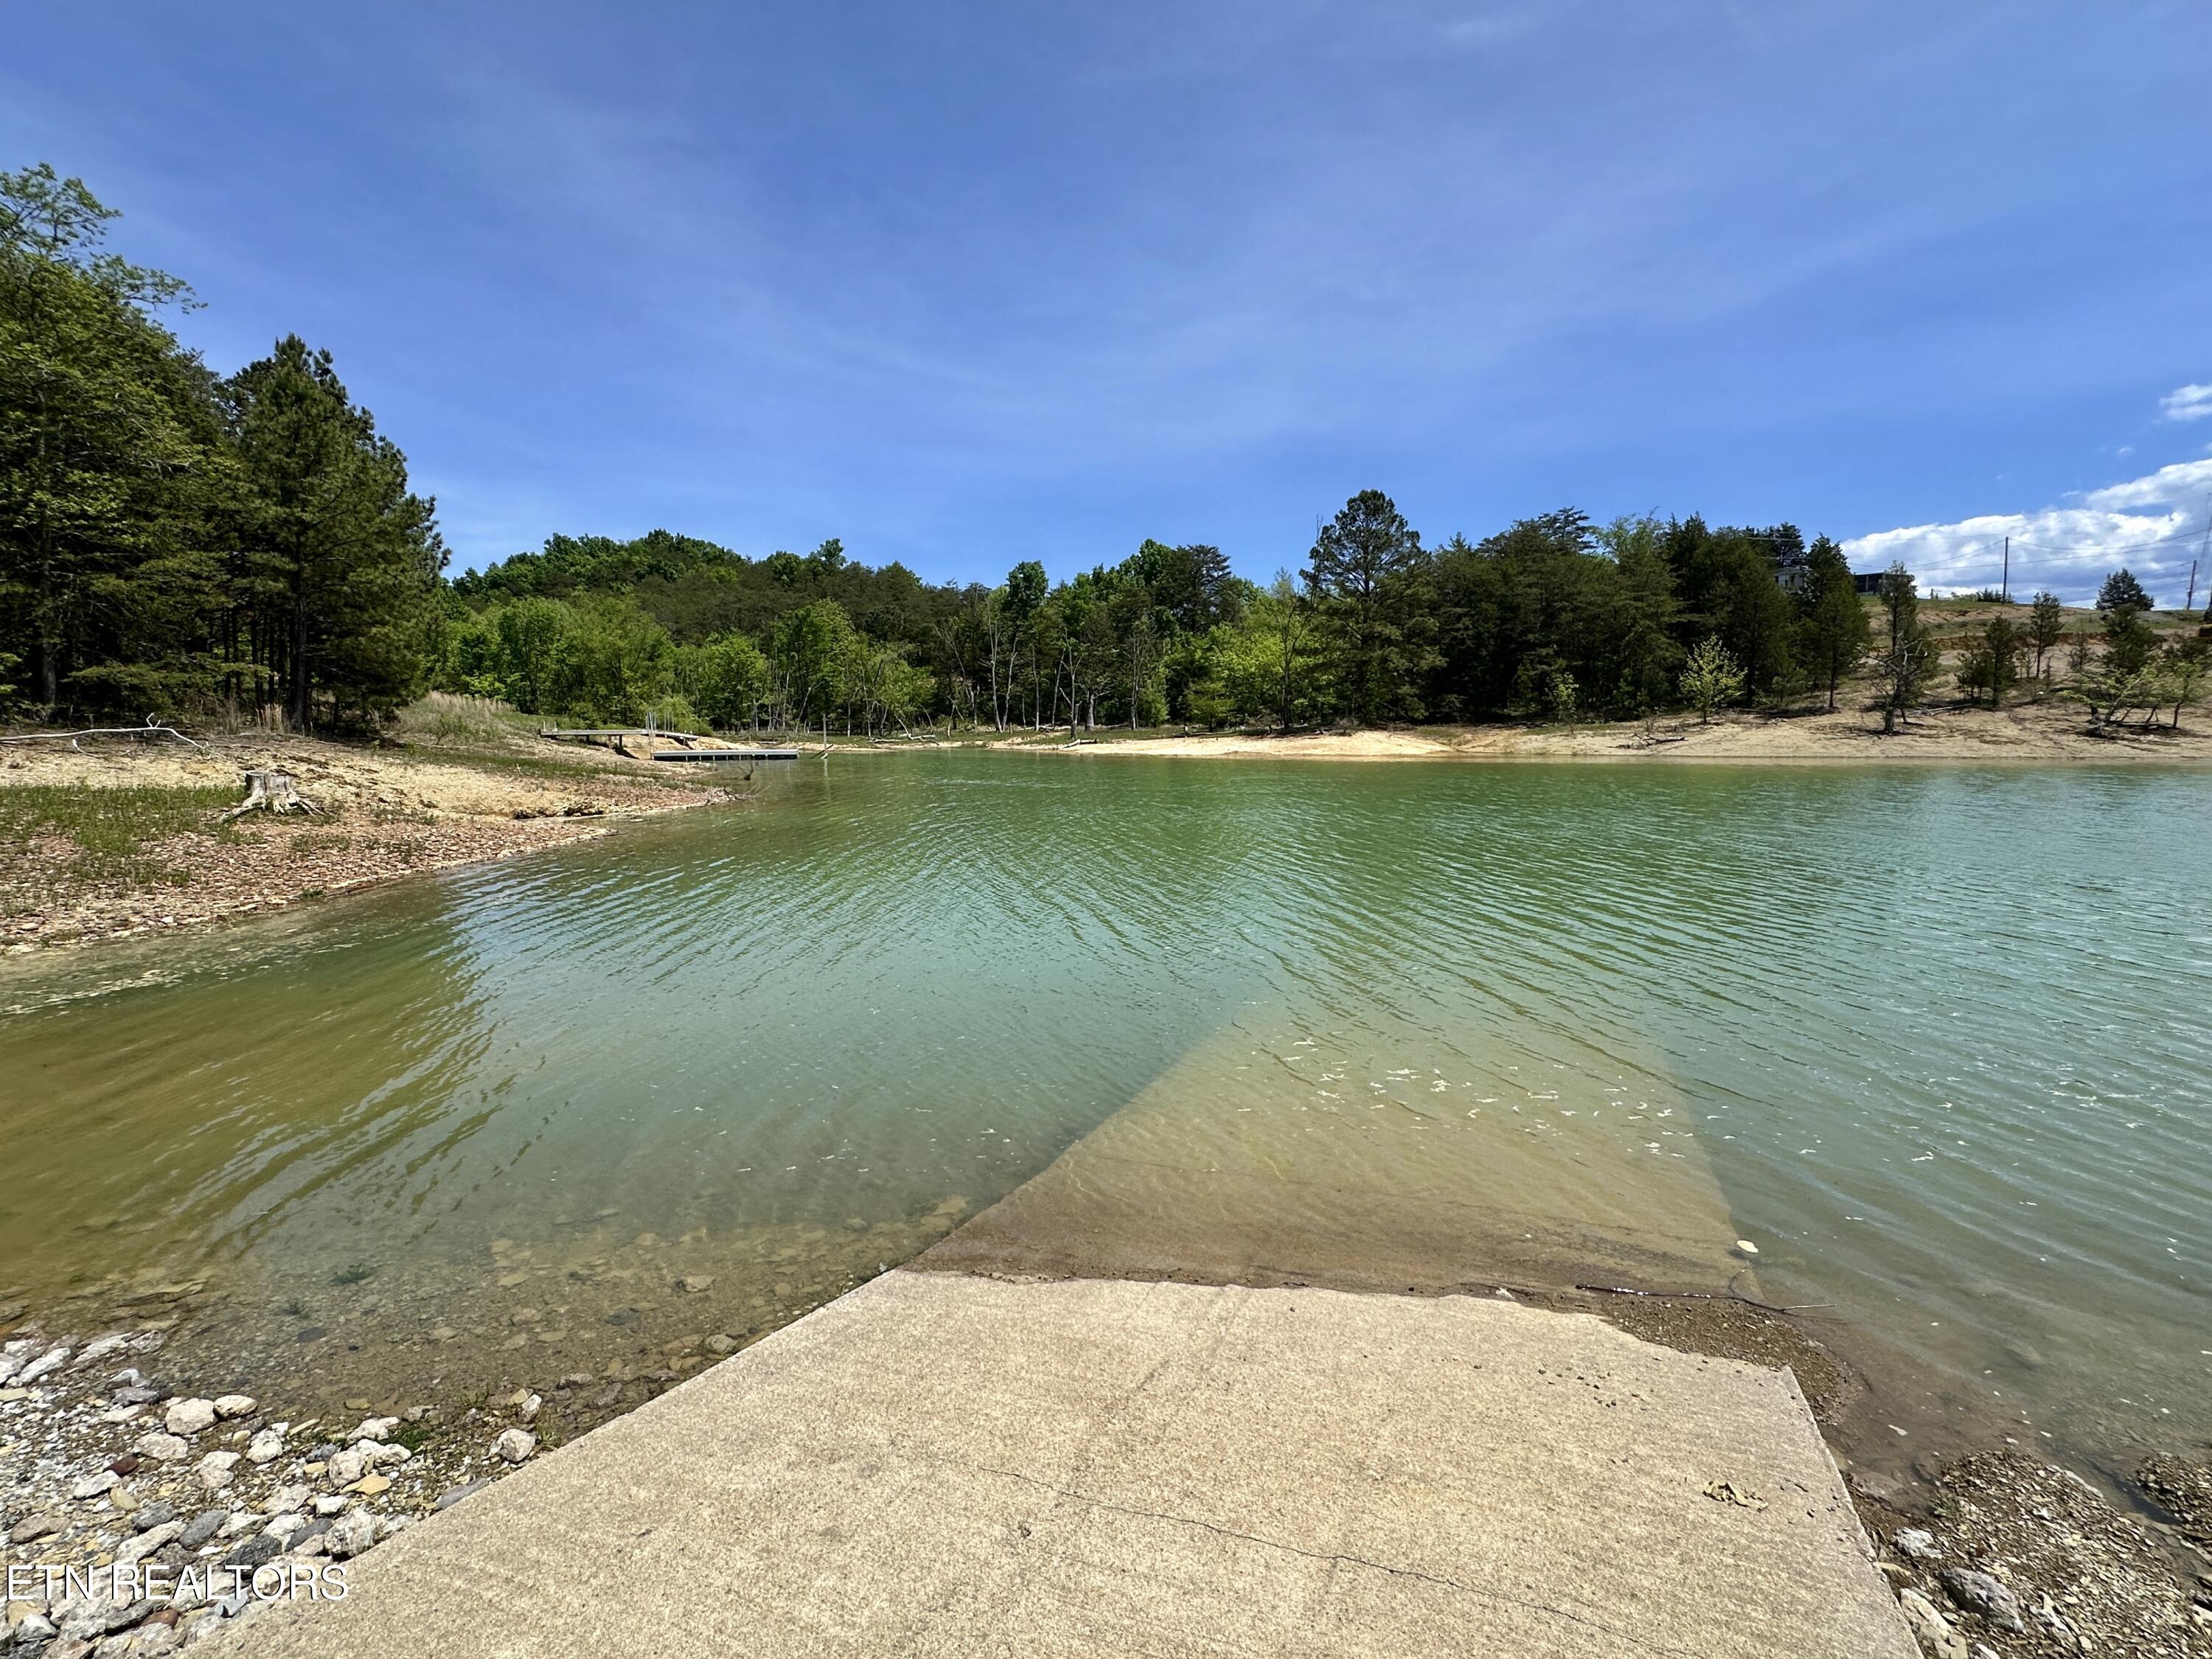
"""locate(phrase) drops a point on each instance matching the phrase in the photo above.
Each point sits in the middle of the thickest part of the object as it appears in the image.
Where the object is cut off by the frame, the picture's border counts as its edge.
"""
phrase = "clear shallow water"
(1934, 1039)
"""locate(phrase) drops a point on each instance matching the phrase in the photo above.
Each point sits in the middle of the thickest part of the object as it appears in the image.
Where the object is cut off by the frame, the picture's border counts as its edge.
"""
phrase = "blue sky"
(969, 283)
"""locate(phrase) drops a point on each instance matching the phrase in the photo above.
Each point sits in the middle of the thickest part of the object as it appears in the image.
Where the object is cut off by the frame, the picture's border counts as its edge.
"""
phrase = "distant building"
(1867, 583)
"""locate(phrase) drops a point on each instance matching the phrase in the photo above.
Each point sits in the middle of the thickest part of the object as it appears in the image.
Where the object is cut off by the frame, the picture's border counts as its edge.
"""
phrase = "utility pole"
(2202, 553)
(2004, 586)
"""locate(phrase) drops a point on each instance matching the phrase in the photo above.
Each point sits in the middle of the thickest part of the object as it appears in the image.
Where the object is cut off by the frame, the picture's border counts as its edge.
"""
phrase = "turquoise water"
(1933, 1039)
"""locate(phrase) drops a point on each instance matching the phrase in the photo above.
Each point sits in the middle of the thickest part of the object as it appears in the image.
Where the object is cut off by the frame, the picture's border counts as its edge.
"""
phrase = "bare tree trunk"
(270, 791)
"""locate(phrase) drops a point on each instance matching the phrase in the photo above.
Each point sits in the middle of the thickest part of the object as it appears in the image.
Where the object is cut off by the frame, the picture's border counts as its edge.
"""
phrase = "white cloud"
(2154, 525)
(2186, 403)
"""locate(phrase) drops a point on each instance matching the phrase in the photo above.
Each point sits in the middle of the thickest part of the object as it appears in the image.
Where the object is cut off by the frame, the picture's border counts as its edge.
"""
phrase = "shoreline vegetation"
(118, 837)
(245, 550)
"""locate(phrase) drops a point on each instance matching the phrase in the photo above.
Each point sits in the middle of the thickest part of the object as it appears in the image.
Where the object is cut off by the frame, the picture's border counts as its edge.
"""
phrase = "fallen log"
(70, 737)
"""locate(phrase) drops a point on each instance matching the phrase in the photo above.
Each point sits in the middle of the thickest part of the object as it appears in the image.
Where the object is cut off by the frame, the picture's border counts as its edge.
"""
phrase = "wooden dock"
(653, 734)
(724, 754)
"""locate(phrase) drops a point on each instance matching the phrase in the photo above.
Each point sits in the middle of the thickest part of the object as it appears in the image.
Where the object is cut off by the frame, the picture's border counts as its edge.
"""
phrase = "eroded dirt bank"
(120, 837)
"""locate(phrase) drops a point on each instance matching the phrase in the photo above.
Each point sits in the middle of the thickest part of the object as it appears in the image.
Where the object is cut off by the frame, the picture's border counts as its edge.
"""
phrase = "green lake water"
(1934, 1039)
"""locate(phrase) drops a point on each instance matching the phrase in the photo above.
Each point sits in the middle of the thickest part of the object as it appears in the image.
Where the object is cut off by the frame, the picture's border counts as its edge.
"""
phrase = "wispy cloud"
(2154, 525)
(2186, 403)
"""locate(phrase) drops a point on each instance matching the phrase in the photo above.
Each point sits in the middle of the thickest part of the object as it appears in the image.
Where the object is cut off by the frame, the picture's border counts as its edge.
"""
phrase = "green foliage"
(815, 646)
(2046, 626)
(2122, 591)
(341, 561)
(1833, 635)
(111, 467)
(1265, 665)
(725, 679)
(1909, 656)
(2184, 667)
(1725, 579)
(1992, 666)
(169, 538)
(1364, 571)
(1712, 677)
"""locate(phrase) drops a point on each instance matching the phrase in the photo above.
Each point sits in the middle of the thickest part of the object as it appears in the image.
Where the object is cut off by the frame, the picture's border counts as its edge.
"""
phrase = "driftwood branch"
(270, 791)
(70, 737)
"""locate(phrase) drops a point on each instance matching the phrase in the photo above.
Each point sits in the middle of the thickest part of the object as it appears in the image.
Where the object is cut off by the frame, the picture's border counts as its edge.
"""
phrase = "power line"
(2181, 537)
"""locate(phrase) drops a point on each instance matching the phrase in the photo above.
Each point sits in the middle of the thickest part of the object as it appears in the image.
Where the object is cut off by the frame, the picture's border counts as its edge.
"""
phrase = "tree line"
(1553, 617)
(175, 540)
(171, 539)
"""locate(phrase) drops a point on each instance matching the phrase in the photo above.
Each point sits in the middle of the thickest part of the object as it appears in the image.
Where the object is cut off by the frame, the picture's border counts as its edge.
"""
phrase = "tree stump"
(273, 792)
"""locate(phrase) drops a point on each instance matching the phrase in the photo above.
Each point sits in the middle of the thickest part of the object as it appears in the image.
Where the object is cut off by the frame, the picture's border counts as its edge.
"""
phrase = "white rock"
(349, 1534)
(374, 1428)
(44, 1365)
(287, 1527)
(331, 1504)
(162, 1448)
(215, 1469)
(265, 1447)
(285, 1500)
(189, 1416)
(93, 1486)
(376, 1453)
(120, 1414)
(234, 1405)
(152, 1640)
(239, 1521)
(514, 1445)
(345, 1468)
(1917, 1542)
(529, 1408)
(138, 1548)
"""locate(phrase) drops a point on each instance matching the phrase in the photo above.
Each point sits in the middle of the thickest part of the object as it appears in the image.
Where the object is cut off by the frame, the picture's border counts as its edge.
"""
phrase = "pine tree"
(2122, 591)
(109, 463)
(1833, 634)
(2046, 626)
(1908, 660)
(339, 561)
(1360, 567)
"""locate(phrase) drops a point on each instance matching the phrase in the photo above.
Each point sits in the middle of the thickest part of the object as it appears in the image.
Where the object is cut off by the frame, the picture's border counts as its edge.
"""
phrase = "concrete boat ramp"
(940, 1463)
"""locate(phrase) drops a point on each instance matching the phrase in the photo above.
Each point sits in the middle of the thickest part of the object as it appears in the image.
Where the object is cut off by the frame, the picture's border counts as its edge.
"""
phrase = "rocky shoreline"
(140, 1518)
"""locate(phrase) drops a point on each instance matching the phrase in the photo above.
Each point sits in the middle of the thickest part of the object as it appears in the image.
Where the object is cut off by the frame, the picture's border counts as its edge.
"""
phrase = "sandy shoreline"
(2028, 732)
